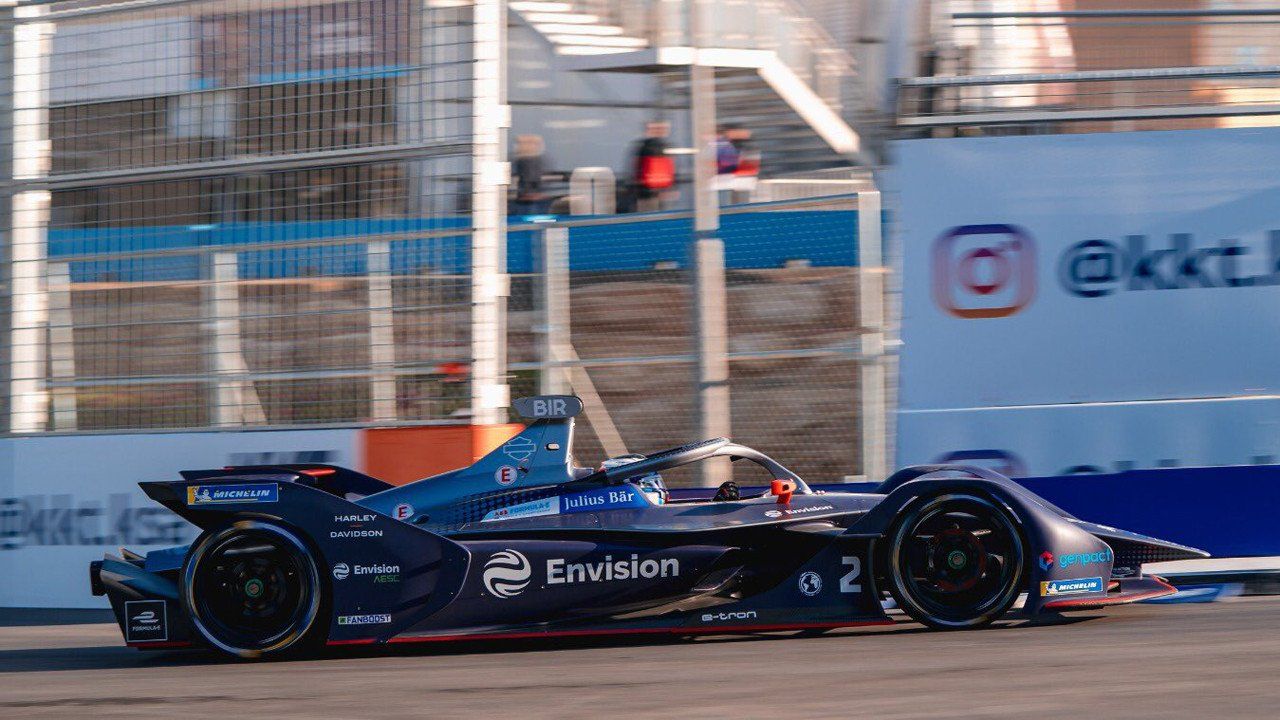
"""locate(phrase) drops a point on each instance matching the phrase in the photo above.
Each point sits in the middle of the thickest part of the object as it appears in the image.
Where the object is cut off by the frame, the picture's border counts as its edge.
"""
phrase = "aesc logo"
(983, 271)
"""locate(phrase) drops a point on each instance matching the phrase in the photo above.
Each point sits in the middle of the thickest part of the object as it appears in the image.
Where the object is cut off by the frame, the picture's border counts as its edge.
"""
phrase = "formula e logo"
(506, 574)
(983, 271)
(147, 621)
(1046, 560)
(810, 583)
(341, 571)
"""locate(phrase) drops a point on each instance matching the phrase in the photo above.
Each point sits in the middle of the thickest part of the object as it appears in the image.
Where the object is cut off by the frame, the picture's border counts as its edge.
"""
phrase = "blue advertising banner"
(1095, 267)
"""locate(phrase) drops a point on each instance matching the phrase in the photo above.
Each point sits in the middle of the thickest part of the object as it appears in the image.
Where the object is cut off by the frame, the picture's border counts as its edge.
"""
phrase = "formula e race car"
(525, 544)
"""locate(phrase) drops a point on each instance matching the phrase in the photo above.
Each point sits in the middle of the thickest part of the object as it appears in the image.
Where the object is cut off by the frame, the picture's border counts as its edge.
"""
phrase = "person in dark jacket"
(529, 168)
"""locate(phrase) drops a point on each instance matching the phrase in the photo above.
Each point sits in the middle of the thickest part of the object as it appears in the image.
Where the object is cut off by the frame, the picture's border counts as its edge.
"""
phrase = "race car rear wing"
(332, 479)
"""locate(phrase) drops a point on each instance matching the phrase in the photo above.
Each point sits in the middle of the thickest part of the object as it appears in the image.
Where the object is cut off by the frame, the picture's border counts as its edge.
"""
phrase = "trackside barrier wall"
(59, 511)
(67, 499)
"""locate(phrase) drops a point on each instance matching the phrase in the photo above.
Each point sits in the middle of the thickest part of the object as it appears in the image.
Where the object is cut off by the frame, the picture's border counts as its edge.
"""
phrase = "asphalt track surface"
(1182, 661)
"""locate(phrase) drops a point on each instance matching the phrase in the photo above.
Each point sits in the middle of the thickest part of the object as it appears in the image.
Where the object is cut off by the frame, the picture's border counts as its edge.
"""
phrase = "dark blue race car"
(525, 544)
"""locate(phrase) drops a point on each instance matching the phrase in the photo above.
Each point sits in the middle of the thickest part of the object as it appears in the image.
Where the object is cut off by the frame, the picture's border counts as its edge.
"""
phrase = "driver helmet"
(650, 483)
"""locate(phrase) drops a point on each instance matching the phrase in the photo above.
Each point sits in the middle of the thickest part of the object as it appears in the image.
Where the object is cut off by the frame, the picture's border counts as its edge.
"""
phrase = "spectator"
(653, 171)
(737, 163)
(529, 168)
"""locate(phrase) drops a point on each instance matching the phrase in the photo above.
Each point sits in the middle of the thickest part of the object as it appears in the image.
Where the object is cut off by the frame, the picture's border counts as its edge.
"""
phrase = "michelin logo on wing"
(1081, 586)
(232, 493)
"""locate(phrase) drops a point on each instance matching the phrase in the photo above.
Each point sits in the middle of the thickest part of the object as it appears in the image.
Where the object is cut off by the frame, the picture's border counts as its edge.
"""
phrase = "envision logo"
(561, 573)
(506, 574)
(797, 511)
(385, 573)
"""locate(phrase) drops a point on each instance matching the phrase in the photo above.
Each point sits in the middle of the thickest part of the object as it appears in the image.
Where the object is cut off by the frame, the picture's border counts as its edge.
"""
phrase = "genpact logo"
(1046, 560)
(506, 574)
(983, 271)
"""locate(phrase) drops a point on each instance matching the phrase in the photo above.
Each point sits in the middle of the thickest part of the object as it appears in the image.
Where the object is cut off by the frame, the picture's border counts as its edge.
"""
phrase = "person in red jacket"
(653, 175)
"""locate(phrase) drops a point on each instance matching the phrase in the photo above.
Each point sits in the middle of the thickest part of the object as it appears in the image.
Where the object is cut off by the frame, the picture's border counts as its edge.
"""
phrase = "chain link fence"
(605, 307)
(230, 213)
(234, 215)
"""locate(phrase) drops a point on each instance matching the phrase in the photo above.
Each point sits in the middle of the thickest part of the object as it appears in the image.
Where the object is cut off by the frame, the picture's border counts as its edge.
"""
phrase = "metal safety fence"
(609, 308)
(230, 215)
(343, 322)
(207, 195)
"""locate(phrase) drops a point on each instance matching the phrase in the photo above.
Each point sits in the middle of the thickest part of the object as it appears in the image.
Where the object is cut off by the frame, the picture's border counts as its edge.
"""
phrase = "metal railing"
(365, 328)
(1100, 69)
(779, 26)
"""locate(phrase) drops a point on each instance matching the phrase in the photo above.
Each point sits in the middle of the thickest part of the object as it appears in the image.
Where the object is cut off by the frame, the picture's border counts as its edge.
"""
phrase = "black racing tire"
(253, 589)
(955, 561)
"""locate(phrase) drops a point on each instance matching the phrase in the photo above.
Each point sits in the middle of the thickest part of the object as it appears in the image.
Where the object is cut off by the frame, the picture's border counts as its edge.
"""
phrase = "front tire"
(253, 589)
(955, 561)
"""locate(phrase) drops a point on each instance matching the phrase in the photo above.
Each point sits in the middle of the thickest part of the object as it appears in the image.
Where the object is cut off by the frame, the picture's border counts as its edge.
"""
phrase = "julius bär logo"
(983, 271)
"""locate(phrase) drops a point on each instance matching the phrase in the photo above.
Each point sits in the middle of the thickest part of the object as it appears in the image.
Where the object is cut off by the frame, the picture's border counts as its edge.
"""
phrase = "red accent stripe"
(716, 630)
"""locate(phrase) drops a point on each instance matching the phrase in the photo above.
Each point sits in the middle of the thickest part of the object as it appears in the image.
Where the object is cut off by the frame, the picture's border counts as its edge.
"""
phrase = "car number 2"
(847, 584)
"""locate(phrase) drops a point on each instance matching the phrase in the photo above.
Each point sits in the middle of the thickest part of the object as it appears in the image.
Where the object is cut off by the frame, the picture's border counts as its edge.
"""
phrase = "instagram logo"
(984, 271)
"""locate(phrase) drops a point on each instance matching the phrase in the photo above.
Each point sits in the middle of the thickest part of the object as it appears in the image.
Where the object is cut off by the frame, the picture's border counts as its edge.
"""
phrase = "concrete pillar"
(873, 406)
(554, 286)
(62, 350)
(490, 174)
(382, 341)
(29, 221)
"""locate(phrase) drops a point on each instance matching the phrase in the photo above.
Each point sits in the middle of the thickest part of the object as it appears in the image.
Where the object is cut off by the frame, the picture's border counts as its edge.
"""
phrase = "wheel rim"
(252, 588)
(958, 559)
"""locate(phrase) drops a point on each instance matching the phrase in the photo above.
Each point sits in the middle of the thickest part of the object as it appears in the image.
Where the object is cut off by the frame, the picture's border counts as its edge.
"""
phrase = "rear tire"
(955, 561)
(253, 589)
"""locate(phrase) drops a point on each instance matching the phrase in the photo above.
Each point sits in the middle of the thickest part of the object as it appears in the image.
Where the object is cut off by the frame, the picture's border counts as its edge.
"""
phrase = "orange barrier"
(401, 455)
